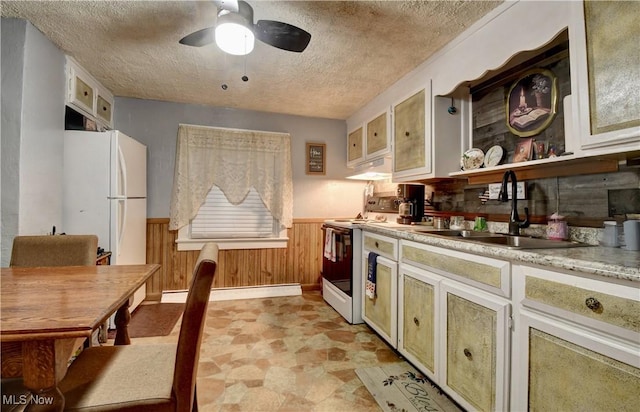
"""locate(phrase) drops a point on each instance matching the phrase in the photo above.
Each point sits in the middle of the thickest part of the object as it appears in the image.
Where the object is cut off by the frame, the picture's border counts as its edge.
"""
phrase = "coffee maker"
(410, 203)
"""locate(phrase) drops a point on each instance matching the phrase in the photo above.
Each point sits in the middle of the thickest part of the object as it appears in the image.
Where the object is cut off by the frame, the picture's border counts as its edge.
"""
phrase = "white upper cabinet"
(412, 135)
(355, 147)
(607, 74)
(599, 110)
(378, 136)
(369, 141)
(86, 95)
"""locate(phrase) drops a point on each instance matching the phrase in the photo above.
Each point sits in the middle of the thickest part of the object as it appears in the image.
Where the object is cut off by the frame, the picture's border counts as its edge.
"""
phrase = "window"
(219, 219)
(232, 186)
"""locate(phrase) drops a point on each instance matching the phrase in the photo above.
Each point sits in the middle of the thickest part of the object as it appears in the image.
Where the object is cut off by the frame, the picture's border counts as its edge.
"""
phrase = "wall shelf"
(545, 168)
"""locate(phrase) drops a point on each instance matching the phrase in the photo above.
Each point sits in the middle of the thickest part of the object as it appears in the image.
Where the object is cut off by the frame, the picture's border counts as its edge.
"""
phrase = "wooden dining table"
(45, 311)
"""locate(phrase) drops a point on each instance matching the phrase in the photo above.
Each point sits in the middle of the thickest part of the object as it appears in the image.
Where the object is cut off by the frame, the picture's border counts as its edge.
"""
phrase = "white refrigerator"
(105, 193)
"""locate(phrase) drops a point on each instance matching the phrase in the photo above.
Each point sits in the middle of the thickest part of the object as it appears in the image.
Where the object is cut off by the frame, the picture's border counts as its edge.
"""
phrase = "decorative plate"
(493, 156)
(472, 159)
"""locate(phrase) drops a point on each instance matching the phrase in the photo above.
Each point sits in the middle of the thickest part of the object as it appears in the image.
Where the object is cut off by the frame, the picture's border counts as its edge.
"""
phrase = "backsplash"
(583, 200)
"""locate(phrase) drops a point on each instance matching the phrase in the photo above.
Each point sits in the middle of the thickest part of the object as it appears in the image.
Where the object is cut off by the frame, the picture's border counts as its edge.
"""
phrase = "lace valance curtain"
(234, 160)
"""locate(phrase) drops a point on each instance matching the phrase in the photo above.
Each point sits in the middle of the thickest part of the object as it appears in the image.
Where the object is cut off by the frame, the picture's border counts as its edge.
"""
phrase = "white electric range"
(342, 263)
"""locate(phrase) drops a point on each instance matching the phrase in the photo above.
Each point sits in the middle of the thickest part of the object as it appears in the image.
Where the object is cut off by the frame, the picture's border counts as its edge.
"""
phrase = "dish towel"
(371, 275)
(330, 245)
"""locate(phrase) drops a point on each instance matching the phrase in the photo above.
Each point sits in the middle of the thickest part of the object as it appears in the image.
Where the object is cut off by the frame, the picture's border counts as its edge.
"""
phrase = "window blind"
(217, 218)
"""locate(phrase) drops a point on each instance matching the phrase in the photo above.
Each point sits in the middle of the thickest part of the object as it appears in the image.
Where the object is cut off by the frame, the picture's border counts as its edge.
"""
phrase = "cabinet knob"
(354, 145)
(104, 108)
(86, 93)
(416, 321)
(406, 133)
(593, 304)
(377, 245)
(375, 133)
(468, 354)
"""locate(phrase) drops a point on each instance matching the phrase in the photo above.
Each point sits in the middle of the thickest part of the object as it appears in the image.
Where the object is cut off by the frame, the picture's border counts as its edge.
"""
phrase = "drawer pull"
(468, 354)
(593, 304)
(416, 321)
(377, 245)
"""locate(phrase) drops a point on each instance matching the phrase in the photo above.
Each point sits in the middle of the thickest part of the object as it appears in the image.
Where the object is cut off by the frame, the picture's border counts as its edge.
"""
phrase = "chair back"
(188, 351)
(59, 250)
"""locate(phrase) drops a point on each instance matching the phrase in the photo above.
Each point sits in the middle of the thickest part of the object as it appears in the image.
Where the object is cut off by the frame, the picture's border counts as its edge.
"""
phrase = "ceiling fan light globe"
(234, 38)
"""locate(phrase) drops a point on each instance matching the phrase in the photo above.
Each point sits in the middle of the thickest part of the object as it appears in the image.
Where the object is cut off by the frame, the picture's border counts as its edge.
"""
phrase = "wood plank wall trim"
(300, 262)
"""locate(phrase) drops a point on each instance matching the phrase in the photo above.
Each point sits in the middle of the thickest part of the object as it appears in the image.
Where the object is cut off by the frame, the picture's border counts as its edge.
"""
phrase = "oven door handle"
(345, 232)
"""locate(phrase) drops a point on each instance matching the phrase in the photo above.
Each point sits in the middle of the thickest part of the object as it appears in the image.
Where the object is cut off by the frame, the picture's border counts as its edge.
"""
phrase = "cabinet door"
(417, 317)
(566, 369)
(377, 142)
(103, 109)
(607, 78)
(355, 147)
(476, 348)
(381, 312)
(81, 92)
(409, 130)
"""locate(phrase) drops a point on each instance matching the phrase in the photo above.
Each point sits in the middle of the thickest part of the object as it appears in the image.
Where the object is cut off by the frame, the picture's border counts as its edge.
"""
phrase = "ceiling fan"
(234, 31)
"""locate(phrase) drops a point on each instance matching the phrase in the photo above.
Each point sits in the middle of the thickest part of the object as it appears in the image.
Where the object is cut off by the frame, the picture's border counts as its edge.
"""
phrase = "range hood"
(378, 169)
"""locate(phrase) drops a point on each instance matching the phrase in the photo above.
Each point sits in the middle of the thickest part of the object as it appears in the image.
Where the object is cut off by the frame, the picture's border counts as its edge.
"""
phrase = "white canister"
(610, 234)
(632, 234)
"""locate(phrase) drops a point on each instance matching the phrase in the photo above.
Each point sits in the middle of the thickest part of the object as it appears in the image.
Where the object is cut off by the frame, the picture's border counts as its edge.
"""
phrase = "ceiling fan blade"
(199, 38)
(231, 5)
(282, 35)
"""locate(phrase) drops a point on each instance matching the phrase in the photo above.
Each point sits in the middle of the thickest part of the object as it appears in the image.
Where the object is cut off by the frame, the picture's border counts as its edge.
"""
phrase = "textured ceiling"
(357, 49)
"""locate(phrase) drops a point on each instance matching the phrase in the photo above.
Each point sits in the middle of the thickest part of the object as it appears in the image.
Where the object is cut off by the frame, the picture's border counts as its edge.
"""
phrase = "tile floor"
(284, 354)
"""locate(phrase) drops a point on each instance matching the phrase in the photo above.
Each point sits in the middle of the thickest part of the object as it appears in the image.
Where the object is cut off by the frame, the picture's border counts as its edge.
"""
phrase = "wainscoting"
(300, 262)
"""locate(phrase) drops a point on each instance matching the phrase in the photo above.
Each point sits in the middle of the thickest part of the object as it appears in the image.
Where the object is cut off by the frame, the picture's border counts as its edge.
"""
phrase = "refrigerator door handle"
(122, 173)
(122, 218)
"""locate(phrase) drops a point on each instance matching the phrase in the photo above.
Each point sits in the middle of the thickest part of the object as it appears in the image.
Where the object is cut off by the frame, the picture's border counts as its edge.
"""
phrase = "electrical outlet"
(494, 190)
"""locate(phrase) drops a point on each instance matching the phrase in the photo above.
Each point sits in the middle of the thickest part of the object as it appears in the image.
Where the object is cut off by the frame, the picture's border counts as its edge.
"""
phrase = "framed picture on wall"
(316, 159)
(532, 103)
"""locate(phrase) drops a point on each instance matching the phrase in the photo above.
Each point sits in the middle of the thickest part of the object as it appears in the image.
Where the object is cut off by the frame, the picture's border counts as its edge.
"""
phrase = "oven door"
(337, 261)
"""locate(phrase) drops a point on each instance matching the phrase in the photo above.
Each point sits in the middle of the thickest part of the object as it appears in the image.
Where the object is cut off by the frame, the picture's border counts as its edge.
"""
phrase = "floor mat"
(155, 319)
(399, 387)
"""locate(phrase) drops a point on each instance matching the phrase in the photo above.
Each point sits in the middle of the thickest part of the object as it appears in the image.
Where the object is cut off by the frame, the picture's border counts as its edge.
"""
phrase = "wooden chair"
(59, 250)
(159, 377)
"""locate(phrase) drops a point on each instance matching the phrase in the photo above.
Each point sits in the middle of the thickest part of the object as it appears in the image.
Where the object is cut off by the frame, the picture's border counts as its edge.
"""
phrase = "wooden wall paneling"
(156, 253)
(300, 262)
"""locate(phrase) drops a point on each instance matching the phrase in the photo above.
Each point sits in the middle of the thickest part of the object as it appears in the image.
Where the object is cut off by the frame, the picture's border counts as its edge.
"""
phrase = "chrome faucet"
(514, 220)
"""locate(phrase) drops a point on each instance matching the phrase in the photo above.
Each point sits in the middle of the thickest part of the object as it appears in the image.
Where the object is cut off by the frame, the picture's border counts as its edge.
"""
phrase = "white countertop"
(598, 260)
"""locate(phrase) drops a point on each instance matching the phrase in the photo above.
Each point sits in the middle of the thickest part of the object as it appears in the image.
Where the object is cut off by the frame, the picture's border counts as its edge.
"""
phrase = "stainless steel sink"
(503, 240)
(455, 233)
(524, 242)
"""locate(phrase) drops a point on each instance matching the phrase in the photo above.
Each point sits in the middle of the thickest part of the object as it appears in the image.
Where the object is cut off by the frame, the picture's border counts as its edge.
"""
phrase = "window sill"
(232, 244)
